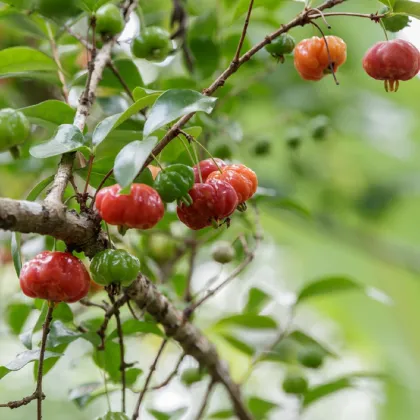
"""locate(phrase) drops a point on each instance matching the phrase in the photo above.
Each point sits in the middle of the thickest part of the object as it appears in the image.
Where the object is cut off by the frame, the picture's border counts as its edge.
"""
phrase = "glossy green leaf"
(167, 415)
(111, 123)
(131, 159)
(318, 392)
(22, 359)
(140, 92)
(131, 376)
(50, 113)
(410, 8)
(133, 326)
(16, 254)
(327, 286)
(175, 103)
(252, 321)
(257, 299)
(306, 340)
(23, 59)
(68, 138)
(38, 188)
(84, 394)
(60, 334)
(91, 5)
(238, 344)
(222, 414)
(260, 408)
(105, 359)
(16, 315)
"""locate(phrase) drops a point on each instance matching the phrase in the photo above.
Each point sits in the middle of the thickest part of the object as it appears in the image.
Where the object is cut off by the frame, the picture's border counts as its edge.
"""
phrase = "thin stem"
(207, 151)
(206, 399)
(101, 184)
(171, 376)
(117, 74)
(200, 176)
(90, 165)
(371, 16)
(149, 377)
(243, 34)
(56, 57)
(384, 29)
(45, 331)
(122, 360)
(187, 149)
(158, 163)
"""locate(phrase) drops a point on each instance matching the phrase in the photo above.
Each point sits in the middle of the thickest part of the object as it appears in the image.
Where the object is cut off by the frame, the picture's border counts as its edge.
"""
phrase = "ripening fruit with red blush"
(312, 60)
(56, 277)
(243, 180)
(206, 167)
(392, 61)
(213, 201)
(142, 208)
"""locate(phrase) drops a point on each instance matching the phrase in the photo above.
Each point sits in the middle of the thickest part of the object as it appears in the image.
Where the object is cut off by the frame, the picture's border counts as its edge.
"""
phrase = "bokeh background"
(346, 204)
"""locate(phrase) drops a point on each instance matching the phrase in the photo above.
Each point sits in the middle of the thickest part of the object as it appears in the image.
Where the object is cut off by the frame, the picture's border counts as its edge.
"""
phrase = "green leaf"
(23, 59)
(168, 415)
(16, 255)
(91, 5)
(131, 376)
(243, 5)
(175, 103)
(105, 359)
(326, 286)
(238, 344)
(22, 359)
(50, 113)
(37, 190)
(410, 8)
(257, 299)
(113, 416)
(131, 159)
(84, 394)
(260, 408)
(253, 321)
(140, 92)
(222, 414)
(60, 334)
(20, 4)
(324, 390)
(68, 138)
(16, 315)
(111, 123)
(133, 326)
(306, 340)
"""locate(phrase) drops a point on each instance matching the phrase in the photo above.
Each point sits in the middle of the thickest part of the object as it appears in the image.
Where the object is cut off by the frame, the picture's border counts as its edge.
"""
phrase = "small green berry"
(311, 357)
(319, 127)
(109, 20)
(280, 46)
(262, 148)
(223, 252)
(14, 128)
(191, 376)
(153, 44)
(295, 383)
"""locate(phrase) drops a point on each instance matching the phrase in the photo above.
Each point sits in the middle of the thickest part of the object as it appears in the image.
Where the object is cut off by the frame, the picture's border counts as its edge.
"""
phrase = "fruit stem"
(157, 161)
(200, 176)
(15, 152)
(187, 149)
(140, 14)
(384, 29)
(211, 156)
(45, 331)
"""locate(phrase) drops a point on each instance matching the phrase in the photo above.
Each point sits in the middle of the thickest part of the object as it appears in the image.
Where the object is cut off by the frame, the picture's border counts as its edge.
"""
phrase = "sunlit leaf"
(260, 408)
(23, 59)
(50, 113)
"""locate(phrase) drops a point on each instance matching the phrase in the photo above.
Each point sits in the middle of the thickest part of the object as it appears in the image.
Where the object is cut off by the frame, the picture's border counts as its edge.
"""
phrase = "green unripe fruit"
(394, 23)
(114, 266)
(14, 128)
(153, 44)
(262, 148)
(161, 248)
(174, 182)
(311, 357)
(223, 252)
(280, 46)
(56, 9)
(222, 151)
(295, 383)
(319, 127)
(109, 20)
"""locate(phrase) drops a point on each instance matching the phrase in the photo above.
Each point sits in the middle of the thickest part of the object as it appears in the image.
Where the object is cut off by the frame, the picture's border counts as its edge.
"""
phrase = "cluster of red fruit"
(217, 192)
(390, 61)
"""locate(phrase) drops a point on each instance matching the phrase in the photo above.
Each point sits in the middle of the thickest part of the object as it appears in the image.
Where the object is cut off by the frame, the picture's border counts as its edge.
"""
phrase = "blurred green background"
(345, 204)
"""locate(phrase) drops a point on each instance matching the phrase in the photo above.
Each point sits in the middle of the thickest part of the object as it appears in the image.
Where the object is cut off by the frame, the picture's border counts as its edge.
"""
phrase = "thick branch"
(146, 296)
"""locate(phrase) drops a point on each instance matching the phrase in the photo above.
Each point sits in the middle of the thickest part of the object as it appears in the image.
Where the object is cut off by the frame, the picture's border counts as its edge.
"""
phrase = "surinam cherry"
(314, 60)
(392, 61)
(206, 167)
(56, 277)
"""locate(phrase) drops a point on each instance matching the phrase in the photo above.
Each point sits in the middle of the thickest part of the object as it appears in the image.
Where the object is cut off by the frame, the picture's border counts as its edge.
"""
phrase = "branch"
(148, 379)
(171, 376)
(87, 98)
(300, 20)
(205, 400)
(193, 342)
(243, 34)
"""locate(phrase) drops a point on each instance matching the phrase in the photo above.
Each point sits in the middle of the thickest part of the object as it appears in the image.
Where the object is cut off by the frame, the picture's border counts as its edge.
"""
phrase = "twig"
(38, 394)
(372, 16)
(58, 62)
(130, 308)
(171, 376)
(108, 315)
(243, 34)
(191, 263)
(117, 74)
(122, 354)
(149, 377)
(207, 396)
(86, 302)
(45, 331)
